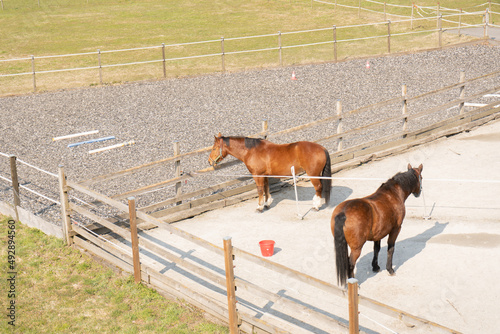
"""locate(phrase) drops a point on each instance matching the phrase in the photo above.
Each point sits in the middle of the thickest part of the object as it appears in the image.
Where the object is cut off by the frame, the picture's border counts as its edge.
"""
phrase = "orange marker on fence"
(293, 76)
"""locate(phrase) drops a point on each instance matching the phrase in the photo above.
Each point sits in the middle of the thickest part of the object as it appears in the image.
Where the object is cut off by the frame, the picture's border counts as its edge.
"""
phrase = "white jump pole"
(75, 135)
(127, 143)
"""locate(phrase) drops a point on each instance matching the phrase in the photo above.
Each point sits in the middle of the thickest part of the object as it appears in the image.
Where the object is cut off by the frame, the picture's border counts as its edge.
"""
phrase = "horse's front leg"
(268, 197)
(259, 181)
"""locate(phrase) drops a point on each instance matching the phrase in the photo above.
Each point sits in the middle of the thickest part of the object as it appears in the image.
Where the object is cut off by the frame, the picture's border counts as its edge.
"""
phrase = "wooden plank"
(151, 187)
(194, 194)
(102, 254)
(291, 305)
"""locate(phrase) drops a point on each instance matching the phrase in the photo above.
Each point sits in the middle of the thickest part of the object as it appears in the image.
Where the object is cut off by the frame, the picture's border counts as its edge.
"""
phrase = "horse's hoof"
(376, 269)
(315, 208)
(259, 210)
(392, 273)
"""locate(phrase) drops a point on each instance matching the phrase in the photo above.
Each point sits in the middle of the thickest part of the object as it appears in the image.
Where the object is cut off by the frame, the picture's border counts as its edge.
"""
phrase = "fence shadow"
(408, 248)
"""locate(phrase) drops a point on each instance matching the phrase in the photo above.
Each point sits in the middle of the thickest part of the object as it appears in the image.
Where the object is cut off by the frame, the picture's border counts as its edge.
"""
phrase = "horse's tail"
(341, 256)
(327, 183)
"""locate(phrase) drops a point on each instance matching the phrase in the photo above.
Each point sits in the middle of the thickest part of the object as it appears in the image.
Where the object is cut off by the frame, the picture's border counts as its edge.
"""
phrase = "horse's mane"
(249, 142)
(406, 180)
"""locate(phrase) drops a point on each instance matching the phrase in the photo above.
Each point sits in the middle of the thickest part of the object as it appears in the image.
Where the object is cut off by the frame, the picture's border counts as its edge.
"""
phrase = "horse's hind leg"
(391, 244)
(317, 197)
(376, 250)
(353, 257)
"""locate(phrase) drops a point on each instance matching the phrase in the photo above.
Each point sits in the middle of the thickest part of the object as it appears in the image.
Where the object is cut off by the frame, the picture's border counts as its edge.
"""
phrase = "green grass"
(58, 27)
(60, 290)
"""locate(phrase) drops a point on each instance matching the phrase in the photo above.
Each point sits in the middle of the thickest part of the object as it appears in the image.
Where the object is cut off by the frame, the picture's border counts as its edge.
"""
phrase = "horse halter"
(219, 157)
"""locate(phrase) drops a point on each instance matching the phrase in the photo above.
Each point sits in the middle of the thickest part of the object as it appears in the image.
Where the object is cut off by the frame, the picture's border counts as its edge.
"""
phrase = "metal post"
(231, 288)
(385, 11)
(164, 65)
(134, 239)
(177, 167)
(412, 9)
(15, 184)
(339, 126)
(352, 288)
(65, 210)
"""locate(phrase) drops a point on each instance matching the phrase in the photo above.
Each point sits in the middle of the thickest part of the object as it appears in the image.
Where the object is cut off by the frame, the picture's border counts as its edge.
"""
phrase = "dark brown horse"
(371, 218)
(265, 158)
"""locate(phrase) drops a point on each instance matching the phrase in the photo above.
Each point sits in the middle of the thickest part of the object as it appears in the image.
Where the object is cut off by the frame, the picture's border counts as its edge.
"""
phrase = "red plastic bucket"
(267, 247)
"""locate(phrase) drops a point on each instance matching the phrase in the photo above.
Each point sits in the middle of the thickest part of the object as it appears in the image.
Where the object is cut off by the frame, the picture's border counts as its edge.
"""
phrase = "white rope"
(38, 169)
(351, 178)
(38, 194)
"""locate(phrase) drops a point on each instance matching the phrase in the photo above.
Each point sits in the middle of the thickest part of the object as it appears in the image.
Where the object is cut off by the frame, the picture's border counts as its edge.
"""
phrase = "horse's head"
(418, 173)
(219, 151)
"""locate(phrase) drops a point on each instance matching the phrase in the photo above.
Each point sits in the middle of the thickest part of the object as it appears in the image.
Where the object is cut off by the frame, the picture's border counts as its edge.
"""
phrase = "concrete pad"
(446, 265)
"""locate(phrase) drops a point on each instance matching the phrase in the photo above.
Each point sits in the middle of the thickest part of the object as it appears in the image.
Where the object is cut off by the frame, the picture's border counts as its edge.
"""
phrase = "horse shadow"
(338, 194)
(404, 251)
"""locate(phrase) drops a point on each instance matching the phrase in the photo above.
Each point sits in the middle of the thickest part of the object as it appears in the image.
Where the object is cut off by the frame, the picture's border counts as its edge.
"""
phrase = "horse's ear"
(409, 166)
(420, 168)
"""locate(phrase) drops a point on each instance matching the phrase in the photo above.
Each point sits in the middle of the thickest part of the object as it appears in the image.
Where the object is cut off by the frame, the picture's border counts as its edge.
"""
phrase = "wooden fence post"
(100, 66)
(486, 23)
(265, 127)
(134, 239)
(65, 210)
(352, 287)
(335, 43)
(389, 36)
(440, 30)
(33, 70)
(177, 167)
(231, 288)
(164, 64)
(412, 10)
(15, 184)
(279, 46)
(405, 109)
(459, 22)
(339, 125)
(461, 107)
(222, 54)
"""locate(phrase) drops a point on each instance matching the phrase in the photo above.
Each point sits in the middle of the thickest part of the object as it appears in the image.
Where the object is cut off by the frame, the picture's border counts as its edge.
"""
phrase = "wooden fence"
(96, 62)
(204, 282)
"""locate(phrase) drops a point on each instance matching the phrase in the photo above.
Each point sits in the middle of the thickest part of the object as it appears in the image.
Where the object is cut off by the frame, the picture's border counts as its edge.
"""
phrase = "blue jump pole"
(91, 141)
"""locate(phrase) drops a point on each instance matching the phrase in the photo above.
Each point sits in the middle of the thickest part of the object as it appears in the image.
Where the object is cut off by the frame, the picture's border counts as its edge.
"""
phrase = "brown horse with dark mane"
(372, 218)
(263, 157)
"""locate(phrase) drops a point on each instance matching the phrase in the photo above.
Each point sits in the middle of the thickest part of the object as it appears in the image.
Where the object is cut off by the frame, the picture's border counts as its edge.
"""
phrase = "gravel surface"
(192, 110)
